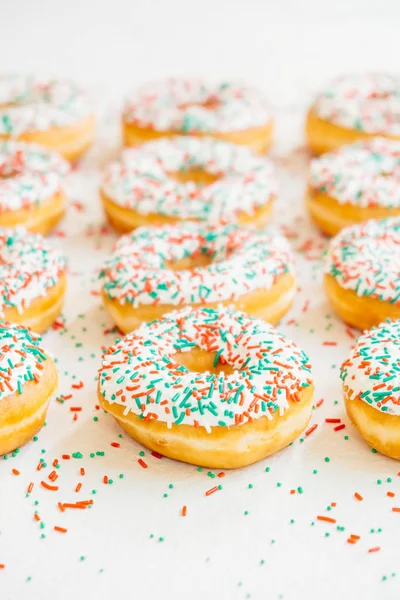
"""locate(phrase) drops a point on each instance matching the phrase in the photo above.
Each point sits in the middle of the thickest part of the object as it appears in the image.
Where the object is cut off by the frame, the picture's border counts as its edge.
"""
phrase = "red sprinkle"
(339, 427)
(115, 444)
(312, 428)
(142, 463)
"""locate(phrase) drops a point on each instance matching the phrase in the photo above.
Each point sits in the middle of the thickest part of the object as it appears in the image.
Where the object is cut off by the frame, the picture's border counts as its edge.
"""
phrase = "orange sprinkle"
(312, 428)
(211, 490)
(47, 486)
(60, 529)
(221, 474)
(55, 462)
(2, 566)
(395, 509)
(319, 403)
(78, 487)
(184, 510)
(61, 507)
(65, 456)
(376, 549)
(105, 479)
(333, 504)
(355, 537)
(53, 476)
(15, 472)
(358, 496)
(390, 494)
(351, 540)
(75, 408)
(82, 471)
(327, 519)
(292, 491)
(36, 517)
(142, 463)
(30, 487)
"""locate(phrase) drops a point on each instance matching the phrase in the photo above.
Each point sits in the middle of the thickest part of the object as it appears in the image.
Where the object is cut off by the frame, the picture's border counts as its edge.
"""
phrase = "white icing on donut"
(30, 104)
(139, 180)
(21, 358)
(366, 102)
(29, 174)
(372, 371)
(29, 267)
(365, 258)
(242, 261)
(193, 105)
(365, 174)
(141, 374)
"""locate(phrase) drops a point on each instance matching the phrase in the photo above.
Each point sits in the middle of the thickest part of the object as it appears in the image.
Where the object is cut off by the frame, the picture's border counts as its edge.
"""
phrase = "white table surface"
(242, 542)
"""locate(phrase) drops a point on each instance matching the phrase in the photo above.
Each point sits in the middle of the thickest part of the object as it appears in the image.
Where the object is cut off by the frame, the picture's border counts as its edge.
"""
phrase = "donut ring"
(225, 110)
(155, 270)
(188, 179)
(52, 113)
(31, 191)
(354, 184)
(354, 108)
(371, 387)
(32, 279)
(29, 378)
(362, 273)
(208, 387)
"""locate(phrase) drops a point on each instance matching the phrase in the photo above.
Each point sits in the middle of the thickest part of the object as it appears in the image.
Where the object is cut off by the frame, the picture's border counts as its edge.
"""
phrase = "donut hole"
(211, 103)
(201, 361)
(189, 262)
(200, 177)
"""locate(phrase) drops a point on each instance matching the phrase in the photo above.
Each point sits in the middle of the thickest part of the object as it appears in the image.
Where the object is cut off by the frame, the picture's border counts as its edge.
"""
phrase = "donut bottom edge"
(332, 216)
(361, 312)
(23, 415)
(42, 311)
(222, 448)
(324, 136)
(124, 220)
(270, 305)
(258, 139)
(71, 141)
(380, 430)
(40, 218)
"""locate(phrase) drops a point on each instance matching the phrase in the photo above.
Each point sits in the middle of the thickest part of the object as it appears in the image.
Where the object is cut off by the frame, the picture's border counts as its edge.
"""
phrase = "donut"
(186, 179)
(355, 183)
(32, 279)
(31, 191)
(371, 387)
(362, 272)
(177, 106)
(52, 113)
(28, 380)
(355, 107)
(210, 387)
(155, 270)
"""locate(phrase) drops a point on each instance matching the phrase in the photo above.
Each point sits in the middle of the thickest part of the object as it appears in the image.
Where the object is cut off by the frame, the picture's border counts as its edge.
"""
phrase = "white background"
(288, 49)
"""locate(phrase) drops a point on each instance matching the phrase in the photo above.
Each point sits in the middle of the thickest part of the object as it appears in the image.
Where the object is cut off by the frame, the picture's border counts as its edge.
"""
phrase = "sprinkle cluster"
(365, 258)
(372, 371)
(30, 104)
(365, 174)
(141, 373)
(140, 180)
(138, 272)
(367, 102)
(194, 105)
(29, 174)
(28, 268)
(21, 358)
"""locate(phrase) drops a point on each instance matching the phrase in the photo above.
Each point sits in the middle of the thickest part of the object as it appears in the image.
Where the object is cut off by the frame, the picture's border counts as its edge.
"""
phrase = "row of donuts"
(207, 247)
(57, 114)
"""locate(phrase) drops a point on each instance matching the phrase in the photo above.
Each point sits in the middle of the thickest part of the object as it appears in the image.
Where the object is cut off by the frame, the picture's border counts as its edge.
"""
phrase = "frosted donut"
(362, 272)
(224, 110)
(186, 179)
(31, 192)
(32, 279)
(52, 113)
(354, 108)
(208, 387)
(155, 270)
(356, 183)
(371, 387)
(28, 379)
